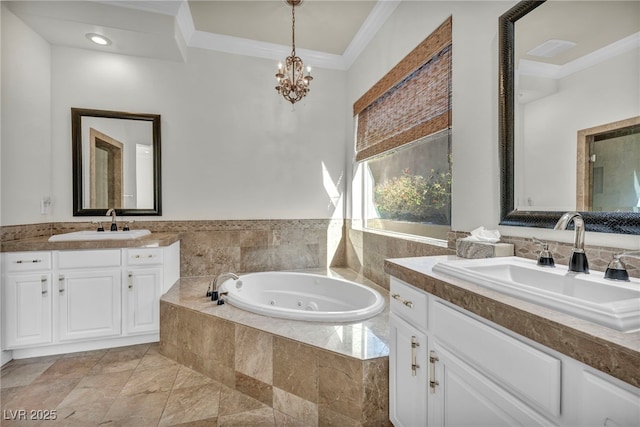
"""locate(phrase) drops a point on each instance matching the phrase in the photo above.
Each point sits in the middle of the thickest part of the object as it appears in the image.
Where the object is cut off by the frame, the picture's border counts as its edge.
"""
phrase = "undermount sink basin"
(588, 296)
(99, 235)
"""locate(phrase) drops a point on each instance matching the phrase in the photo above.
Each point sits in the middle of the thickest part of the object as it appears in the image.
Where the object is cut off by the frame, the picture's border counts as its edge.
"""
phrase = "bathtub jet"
(302, 296)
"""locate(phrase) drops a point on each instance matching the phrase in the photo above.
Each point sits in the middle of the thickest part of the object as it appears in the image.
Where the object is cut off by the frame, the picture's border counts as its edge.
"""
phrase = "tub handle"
(402, 300)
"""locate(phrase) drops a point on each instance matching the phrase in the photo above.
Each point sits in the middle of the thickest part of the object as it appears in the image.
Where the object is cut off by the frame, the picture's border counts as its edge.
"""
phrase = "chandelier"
(293, 85)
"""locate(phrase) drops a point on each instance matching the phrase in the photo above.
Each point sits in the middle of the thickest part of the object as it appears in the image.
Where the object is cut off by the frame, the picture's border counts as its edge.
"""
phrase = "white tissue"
(481, 234)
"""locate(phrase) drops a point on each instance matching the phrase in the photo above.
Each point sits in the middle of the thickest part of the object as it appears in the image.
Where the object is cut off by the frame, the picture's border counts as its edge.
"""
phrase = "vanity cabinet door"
(27, 310)
(462, 396)
(608, 404)
(89, 304)
(142, 297)
(408, 374)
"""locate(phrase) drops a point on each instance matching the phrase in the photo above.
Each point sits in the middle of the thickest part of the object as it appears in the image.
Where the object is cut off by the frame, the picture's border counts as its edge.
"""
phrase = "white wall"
(476, 172)
(231, 148)
(26, 122)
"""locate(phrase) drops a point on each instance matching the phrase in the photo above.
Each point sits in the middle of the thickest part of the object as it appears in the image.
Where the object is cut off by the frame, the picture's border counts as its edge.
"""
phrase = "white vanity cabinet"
(408, 366)
(88, 292)
(27, 299)
(141, 294)
(73, 300)
(475, 373)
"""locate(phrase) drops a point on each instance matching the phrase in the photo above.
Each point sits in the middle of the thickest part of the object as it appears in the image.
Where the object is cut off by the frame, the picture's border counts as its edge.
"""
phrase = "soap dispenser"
(545, 259)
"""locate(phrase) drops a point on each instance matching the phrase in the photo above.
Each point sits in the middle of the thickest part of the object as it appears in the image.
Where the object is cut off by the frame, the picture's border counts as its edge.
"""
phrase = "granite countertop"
(610, 351)
(152, 240)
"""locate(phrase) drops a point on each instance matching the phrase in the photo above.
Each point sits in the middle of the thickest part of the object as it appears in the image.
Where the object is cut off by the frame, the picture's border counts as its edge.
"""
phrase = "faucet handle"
(100, 227)
(616, 270)
(545, 258)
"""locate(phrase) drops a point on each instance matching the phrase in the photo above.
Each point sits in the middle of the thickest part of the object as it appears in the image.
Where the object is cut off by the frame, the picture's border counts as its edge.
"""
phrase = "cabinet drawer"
(523, 369)
(144, 256)
(409, 303)
(89, 259)
(27, 261)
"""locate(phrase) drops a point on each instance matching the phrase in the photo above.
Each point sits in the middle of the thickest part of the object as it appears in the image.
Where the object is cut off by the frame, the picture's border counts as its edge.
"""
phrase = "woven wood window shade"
(412, 101)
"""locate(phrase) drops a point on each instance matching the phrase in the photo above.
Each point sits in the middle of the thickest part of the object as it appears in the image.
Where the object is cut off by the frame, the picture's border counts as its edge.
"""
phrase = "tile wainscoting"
(210, 247)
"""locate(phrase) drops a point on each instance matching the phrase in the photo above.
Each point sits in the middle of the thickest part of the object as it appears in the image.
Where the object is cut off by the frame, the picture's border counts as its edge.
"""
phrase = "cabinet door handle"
(432, 371)
(43, 283)
(414, 363)
(402, 300)
(130, 280)
(61, 283)
(28, 261)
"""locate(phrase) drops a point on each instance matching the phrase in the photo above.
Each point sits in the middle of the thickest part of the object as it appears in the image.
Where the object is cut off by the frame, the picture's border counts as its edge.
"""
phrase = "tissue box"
(474, 249)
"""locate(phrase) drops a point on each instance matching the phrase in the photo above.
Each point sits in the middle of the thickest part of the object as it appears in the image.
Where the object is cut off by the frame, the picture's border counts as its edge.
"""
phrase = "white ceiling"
(329, 33)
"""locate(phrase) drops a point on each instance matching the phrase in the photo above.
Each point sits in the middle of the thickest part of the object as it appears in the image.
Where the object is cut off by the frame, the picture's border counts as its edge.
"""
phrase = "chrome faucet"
(578, 261)
(616, 270)
(112, 212)
(214, 287)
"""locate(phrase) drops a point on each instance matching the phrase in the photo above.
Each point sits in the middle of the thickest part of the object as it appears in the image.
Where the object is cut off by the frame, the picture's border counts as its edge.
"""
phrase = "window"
(403, 143)
(408, 190)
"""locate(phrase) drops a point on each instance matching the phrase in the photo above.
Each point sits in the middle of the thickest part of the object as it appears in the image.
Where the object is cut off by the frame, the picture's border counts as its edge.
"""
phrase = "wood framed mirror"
(116, 162)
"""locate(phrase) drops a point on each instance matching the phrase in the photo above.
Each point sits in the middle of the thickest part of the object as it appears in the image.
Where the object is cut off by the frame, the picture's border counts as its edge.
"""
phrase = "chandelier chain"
(293, 28)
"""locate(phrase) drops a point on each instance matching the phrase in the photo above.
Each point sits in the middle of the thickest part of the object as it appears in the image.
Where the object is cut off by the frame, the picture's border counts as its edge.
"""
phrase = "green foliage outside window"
(415, 198)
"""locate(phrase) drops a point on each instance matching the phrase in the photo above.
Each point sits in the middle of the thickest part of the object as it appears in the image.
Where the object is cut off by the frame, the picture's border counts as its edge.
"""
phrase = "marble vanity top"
(610, 351)
(152, 240)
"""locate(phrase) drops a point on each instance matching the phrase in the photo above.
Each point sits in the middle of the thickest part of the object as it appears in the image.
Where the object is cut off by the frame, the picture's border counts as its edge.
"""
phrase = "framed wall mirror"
(116, 162)
(567, 67)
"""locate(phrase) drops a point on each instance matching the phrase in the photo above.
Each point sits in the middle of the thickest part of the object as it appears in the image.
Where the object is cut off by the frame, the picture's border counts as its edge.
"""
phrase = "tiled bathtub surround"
(316, 373)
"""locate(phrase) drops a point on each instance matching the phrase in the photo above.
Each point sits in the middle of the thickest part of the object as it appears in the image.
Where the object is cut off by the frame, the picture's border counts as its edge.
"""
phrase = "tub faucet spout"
(214, 286)
(578, 261)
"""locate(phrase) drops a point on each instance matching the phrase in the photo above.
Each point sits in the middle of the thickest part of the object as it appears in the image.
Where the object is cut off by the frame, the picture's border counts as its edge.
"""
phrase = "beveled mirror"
(116, 162)
(546, 49)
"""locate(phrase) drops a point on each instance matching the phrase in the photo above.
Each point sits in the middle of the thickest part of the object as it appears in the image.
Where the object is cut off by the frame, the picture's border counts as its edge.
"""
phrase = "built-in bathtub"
(303, 296)
(317, 373)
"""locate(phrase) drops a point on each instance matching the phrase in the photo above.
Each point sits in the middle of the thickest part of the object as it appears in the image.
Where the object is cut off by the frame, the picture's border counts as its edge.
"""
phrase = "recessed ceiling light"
(98, 39)
(551, 48)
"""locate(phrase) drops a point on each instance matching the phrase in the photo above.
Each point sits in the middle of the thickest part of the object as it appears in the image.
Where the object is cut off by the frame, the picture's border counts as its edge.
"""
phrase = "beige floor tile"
(81, 415)
(19, 374)
(121, 360)
(263, 417)
(154, 360)
(191, 404)
(150, 381)
(97, 389)
(43, 396)
(232, 402)
(139, 410)
(189, 378)
(69, 368)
